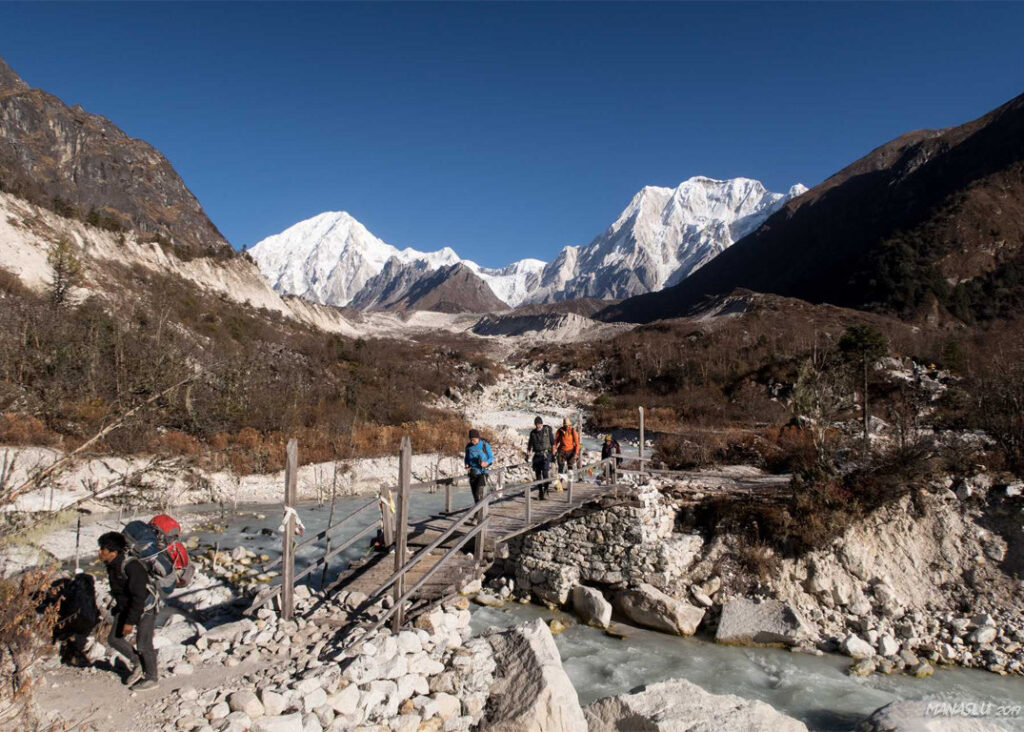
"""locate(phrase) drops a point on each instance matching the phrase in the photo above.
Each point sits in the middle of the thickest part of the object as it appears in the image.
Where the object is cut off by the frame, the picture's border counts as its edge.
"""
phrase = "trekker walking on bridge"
(478, 458)
(541, 443)
(567, 444)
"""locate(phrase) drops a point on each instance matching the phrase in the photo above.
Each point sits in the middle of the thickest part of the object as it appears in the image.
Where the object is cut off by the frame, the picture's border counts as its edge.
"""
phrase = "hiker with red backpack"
(134, 610)
(143, 562)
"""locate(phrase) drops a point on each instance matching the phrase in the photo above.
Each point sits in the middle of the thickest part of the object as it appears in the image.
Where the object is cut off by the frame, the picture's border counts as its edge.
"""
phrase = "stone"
(984, 634)
(677, 705)
(863, 667)
(556, 626)
(488, 600)
(218, 711)
(887, 646)
(314, 699)
(856, 647)
(650, 607)
(448, 706)
(922, 670)
(591, 607)
(246, 701)
(770, 622)
(472, 587)
(345, 701)
(915, 716)
(531, 689)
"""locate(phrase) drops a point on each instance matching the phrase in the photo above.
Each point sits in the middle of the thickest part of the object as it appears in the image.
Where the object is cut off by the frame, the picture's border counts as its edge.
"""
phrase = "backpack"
(168, 534)
(165, 563)
(547, 441)
(76, 605)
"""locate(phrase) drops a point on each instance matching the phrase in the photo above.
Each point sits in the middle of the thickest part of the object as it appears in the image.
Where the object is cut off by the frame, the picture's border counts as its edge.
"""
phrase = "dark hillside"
(932, 220)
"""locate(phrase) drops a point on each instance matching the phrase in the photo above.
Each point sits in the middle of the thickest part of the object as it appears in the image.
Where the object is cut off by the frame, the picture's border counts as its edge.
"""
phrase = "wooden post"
(387, 517)
(501, 479)
(291, 467)
(481, 538)
(448, 496)
(528, 492)
(401, 524)
(640, 449)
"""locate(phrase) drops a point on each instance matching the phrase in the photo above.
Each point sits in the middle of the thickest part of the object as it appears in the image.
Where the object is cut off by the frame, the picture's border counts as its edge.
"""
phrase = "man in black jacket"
(540, 444)
(134, 610)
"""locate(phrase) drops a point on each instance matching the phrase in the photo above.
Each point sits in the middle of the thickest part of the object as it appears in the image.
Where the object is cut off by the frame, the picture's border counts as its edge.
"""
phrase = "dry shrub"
(24, 429)
(174, 442)
(24, 640)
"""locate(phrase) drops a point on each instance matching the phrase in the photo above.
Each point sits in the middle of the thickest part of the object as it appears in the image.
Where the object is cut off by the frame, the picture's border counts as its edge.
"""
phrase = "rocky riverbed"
(909, 588)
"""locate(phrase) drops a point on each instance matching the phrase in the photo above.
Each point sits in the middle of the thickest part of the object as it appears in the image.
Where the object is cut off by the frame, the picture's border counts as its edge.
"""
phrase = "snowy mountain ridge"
(662, 236)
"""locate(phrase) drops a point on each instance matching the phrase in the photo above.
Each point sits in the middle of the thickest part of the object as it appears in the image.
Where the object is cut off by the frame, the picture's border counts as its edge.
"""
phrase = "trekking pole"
(78, 539)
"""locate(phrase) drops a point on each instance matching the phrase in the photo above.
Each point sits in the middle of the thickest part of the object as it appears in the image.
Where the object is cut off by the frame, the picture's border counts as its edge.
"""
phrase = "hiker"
(134, 610)
(610, 447)
(77, 615)
(567, 445)
(478, 458)
(541, 443)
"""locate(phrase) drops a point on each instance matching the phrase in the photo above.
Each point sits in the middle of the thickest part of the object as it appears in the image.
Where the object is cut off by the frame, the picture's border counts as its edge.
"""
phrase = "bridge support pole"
(528, 498)
(402, 525)
(291, 468)
(640, 449)
(481, 538)
(448, 495)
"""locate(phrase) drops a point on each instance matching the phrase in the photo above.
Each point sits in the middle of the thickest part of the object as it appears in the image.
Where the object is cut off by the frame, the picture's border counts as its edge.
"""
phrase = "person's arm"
(467, 457)
(488, 455)
(138, 594)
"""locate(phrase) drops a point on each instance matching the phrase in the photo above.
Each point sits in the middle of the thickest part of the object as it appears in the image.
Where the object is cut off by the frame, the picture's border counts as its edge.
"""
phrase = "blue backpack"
(145, 547)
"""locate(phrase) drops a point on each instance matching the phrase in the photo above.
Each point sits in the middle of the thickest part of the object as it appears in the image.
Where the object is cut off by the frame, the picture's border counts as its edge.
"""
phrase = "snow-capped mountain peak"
(662, 236)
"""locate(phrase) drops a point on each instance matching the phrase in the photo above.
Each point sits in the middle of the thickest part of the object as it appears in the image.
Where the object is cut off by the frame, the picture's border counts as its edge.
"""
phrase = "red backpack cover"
(168, 532)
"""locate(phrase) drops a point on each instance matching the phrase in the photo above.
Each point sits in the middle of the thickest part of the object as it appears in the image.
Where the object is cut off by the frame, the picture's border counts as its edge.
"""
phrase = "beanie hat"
(474, 433)
(538, 421)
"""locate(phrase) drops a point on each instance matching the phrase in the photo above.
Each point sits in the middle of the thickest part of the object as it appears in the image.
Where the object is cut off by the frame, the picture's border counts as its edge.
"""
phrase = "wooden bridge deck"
(506, 519)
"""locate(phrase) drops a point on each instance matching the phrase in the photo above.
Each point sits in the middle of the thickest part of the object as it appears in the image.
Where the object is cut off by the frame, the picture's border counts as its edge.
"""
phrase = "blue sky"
(507, 130)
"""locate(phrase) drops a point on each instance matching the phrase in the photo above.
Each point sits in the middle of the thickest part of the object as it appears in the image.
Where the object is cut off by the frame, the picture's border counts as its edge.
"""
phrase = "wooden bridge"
(434, 556)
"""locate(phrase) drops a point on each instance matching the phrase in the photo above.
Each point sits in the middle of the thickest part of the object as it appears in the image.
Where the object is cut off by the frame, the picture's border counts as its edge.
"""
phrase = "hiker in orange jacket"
(567, 445)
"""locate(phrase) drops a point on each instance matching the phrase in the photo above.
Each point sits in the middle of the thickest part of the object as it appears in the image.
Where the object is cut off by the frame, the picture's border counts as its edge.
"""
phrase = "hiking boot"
(134, 676)
(145, 684)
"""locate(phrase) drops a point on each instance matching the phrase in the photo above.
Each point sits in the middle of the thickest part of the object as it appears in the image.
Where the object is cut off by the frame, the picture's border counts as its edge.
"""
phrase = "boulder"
(246, 701)
(921, 716)
(282, 723)
(767, 623)
(650, 607)
(677, 705)
(856, 647)
(531, 690)
(591, 607)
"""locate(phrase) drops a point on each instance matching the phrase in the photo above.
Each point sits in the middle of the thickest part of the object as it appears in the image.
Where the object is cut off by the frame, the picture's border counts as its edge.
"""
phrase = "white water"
(814, 689)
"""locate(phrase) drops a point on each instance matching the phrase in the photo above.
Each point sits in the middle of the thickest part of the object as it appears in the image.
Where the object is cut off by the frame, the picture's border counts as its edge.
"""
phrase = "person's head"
(566, 422)
(538, 422)
(111, 544)
(607, 438)
(474, 436)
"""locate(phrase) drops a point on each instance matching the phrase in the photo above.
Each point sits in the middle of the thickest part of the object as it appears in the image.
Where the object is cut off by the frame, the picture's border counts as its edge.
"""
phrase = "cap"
(474, 433)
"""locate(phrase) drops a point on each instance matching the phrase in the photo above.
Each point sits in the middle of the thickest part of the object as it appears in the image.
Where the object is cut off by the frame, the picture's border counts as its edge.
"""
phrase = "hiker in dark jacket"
(541, 443)
(610, 447)
(74, 599)
(134, 611)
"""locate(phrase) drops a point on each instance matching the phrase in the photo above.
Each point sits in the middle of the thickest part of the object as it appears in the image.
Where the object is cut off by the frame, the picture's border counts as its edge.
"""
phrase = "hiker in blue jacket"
(478, 458)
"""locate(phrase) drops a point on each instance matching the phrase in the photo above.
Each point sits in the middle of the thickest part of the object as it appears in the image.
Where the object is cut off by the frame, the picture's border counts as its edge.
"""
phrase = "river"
(815, 689)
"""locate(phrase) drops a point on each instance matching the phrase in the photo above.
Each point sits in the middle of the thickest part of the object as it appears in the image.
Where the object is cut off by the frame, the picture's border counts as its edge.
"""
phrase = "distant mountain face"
(662, 236)
(81, 164)
(932, 220)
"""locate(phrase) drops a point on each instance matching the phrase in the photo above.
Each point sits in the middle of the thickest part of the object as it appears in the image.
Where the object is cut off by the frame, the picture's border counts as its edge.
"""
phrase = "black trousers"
(143, 651)
(542, 471)
(478, 484)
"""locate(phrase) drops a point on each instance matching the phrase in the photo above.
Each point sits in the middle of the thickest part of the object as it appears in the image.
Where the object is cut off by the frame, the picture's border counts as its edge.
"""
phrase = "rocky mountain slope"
(931, 221)
(82, 165)
(453, 288)
(662, 236)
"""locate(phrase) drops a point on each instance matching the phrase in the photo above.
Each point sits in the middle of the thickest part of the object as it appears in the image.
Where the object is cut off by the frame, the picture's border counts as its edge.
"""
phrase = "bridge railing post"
(448, 495)
(481, 537)
(529, 491)
(568, 491)
(288, 547)
(640, 449)
(402, 525)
